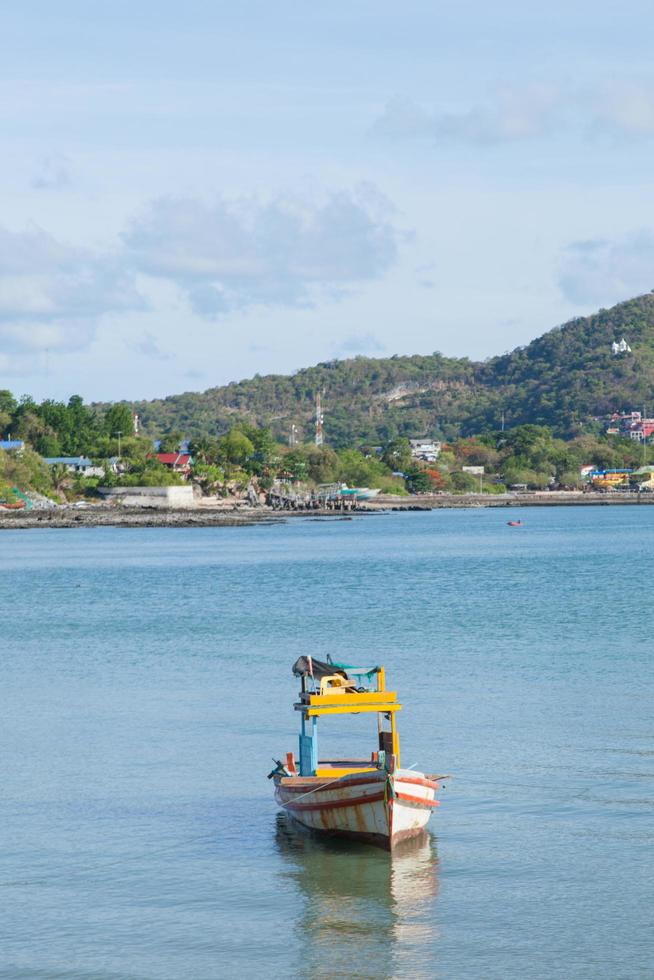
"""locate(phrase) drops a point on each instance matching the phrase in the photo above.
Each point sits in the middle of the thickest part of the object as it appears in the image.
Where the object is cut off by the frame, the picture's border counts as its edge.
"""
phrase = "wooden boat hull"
(376, 807)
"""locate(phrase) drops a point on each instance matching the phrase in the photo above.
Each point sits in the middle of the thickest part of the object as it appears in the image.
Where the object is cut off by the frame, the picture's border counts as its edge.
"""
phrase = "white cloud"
(510, 115)
(603, 272)
(519, 113)
(52, 294)
(285, 252)
(281, 252)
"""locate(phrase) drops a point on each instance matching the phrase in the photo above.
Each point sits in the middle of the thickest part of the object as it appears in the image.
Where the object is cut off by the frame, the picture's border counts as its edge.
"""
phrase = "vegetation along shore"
(563, 420)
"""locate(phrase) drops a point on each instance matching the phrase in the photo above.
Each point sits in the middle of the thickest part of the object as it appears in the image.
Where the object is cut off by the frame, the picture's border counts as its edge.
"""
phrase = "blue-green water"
(146, 685)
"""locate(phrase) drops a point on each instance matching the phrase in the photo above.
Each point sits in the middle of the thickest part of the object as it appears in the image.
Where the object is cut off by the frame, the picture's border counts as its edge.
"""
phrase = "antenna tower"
(319, 421)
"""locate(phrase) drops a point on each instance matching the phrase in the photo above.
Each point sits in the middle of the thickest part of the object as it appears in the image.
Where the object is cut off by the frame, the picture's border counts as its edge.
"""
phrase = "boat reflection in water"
(365, 912)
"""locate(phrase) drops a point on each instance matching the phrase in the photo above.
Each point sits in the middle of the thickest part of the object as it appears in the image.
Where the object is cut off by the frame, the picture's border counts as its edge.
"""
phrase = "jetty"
(328, 498)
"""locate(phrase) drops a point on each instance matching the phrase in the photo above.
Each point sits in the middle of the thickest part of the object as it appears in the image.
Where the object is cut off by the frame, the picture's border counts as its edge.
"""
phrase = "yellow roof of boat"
(338, 695)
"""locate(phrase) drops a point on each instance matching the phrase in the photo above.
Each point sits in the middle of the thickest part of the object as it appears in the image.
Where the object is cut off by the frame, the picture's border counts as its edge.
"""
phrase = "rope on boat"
(316, 788)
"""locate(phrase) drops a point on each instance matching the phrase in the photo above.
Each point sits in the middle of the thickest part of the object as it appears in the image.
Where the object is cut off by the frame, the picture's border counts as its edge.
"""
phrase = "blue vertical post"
(308, 748)
(314, 745)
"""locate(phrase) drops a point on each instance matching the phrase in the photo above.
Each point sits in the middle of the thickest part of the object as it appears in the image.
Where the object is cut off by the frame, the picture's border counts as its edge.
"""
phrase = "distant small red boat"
(515, 523)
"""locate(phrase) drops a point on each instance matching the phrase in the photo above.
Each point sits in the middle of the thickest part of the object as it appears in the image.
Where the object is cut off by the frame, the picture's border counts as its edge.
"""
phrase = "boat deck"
(331, 768)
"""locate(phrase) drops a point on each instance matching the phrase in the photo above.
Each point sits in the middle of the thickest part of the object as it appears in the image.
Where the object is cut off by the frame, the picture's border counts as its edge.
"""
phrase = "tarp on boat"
(309, 666)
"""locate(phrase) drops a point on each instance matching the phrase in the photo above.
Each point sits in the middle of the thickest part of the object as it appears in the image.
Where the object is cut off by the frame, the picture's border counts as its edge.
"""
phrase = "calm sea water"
(146, 684)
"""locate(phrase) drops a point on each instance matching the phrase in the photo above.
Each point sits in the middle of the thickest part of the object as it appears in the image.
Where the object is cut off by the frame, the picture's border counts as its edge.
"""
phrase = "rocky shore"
(98, 516)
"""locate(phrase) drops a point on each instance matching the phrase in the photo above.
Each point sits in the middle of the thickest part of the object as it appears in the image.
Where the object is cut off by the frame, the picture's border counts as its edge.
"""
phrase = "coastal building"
(76, 464)
(646, 474)
(425, 449)
(609, 479)
(630, 424)
(177, 462)
(642, 430)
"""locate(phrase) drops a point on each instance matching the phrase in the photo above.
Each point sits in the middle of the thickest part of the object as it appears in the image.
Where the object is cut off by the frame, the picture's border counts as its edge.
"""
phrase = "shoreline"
(99, 516)
(536, 498)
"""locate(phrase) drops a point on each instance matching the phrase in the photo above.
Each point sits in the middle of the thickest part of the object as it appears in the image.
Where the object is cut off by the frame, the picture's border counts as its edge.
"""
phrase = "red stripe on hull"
(416, 799)
(361, 781)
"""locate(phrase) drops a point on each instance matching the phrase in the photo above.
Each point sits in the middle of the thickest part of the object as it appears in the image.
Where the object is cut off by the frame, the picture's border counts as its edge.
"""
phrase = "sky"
(195, 193)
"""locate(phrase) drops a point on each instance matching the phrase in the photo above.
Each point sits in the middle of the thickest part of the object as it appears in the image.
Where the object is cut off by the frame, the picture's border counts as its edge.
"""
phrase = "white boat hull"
(378, 807)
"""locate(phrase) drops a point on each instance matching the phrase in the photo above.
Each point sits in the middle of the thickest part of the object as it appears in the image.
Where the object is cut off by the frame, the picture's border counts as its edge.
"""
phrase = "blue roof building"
(77, 463)
(7, 444)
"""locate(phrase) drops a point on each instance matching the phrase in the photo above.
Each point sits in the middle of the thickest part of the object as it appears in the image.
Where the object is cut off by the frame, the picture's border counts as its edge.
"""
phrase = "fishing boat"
(361, 493)
(17, 501)
(515, 523)
(373, 800)
(334, 491)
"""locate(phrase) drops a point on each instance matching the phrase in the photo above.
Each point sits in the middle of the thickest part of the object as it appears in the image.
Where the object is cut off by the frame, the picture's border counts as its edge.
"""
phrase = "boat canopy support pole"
(309, 748)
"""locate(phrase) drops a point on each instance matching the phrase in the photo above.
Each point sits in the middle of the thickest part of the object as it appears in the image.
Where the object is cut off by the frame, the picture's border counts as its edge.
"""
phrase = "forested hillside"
(562, 379)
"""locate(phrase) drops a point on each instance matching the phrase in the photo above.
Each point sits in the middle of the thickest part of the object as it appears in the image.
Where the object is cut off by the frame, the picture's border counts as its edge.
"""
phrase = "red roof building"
(179, 462)
(641, 430)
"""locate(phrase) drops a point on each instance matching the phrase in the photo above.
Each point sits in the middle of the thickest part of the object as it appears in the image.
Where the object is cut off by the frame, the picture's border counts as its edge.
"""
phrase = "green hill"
(562, 379)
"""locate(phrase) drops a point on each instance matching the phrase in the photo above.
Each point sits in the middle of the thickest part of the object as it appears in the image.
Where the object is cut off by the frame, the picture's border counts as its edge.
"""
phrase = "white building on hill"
(426, 449)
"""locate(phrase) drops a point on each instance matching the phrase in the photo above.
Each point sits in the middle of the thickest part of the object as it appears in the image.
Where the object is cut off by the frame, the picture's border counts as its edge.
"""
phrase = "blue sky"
(192, 194)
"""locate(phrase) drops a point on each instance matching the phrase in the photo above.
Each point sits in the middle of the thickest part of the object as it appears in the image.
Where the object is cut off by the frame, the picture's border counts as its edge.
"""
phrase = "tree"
(322, 464)
(170, 442)
(475, 452)
(5, 421)
(235, 448)
(30, 425)
(418, 480)
(8, 403)
(210, 477)
(119, 419)
(295, 463)
(397, 454)
(204, 449)
(151, 473)
(26, 471)
(359, 471)
(61, 477)
(465, 482)
(48, 445)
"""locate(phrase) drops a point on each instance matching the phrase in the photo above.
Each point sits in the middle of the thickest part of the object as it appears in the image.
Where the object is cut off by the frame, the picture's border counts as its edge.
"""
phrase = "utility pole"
(292, 439)
(319, 421)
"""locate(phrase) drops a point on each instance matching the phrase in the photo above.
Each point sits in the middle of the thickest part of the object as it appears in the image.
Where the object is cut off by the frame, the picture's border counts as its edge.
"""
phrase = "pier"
(325, 498)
